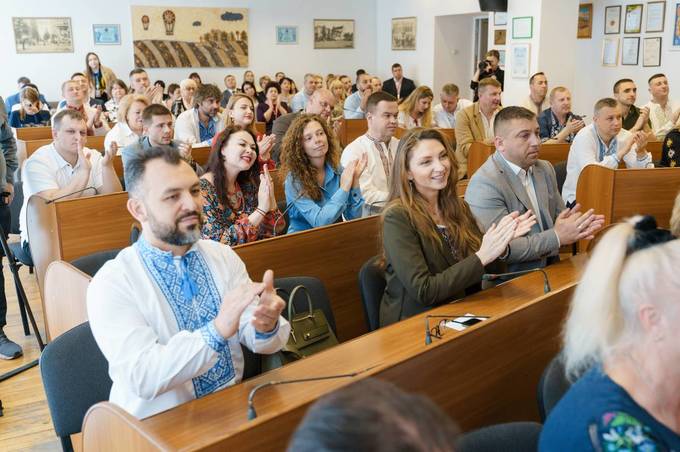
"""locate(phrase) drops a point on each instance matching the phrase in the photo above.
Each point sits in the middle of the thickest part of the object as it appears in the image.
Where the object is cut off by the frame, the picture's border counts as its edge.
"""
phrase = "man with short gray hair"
(302, 97)
(445, 112)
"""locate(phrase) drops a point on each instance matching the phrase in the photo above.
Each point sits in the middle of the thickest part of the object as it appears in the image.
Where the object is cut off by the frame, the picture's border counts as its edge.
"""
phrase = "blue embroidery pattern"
(191, 313)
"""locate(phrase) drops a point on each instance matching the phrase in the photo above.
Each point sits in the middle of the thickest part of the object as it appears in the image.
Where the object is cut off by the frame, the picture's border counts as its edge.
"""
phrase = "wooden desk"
(621, 193)
(484, 375)
(654, 147)
(351, 129)
(68, 229)
(33, 133)
(65, 298)
(200, 156)
(480, 152)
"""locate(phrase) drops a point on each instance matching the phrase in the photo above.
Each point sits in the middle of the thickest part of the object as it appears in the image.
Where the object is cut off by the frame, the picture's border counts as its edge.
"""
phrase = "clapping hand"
(496, 239)
(184, 149)
(524, 223)
(268, 310)
(265, 144)
(110, 153)
(359, 169)
(571, 225)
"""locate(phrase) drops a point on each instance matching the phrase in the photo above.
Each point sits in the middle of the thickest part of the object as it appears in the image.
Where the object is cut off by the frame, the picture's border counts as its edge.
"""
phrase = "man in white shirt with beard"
(170, 312)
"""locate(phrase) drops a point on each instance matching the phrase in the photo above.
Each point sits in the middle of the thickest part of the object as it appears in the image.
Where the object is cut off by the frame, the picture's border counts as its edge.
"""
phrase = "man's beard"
(172, 235)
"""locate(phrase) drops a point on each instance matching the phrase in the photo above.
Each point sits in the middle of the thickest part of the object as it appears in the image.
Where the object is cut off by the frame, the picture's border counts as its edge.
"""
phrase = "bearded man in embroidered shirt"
(170, 312)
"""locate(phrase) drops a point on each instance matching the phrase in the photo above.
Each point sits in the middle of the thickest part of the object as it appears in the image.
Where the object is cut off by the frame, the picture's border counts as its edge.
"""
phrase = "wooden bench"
(33, 133)
(69, 229)
(65, 298)
(483, 375)
(554, 153)
(621, 193)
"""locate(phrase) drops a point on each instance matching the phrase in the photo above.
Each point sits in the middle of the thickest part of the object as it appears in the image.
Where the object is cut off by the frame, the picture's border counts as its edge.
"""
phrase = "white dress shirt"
(585, 150)
(529, 104)
(373, 182)
(122, 134)
(299, 102)
(662, 118)
(445, 120)
(163, 350)
(488, 124)
(45, 170)
(353, 106)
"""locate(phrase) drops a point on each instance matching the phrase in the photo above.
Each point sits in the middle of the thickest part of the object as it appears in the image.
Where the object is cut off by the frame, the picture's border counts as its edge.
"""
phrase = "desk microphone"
(494, 276)
(451, 317)
(252, 414)
(70, 194)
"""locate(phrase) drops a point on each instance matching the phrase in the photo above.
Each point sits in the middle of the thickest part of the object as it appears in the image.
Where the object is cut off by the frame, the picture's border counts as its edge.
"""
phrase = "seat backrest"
(552, 386)
(75, 375)
(560, 174)
(371, 288)
(91, 263)
(316, 290)
(510, 437)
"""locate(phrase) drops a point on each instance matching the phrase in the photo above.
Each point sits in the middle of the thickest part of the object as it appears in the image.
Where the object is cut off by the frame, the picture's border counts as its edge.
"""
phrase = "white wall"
(453, 53)
(594, 81)
(49, 70)
(418, 64)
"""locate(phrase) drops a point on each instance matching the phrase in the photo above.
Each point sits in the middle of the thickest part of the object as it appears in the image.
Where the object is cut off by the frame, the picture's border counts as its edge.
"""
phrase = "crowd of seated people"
(434, 244)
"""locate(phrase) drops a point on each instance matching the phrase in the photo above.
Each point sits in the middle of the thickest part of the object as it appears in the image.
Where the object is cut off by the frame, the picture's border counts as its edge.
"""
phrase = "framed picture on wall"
(675, 44)
(522, 27)
(520, 62)
(499, 37)
(500, 19)
(501, 60)
(106, 34)
(651, 54)
(333, 33)
(610, 51)
(43, 34)
(630, 51)
(656, 15)
(286, 34)
(633, 18)
(612, 20)
(585, 21)
(404, 33)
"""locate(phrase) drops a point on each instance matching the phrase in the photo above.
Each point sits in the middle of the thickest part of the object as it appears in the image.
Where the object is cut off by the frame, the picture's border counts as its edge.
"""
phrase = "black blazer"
(407, 87)
(418, 275)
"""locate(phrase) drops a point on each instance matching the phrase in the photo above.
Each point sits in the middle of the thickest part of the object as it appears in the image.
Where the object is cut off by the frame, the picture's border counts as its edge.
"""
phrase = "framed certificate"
(610, 51)
(522, 27)
(612, 20)
(651, 55)
(633, 18)
(630, 51)
(500, 18)
(519, 60)
(656, 13)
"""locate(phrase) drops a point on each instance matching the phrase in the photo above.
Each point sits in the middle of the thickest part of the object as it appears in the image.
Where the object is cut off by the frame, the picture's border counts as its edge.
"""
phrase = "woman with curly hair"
(416, 110)
(318, 190)
(433, 249)
(240, 112)
(238, 202)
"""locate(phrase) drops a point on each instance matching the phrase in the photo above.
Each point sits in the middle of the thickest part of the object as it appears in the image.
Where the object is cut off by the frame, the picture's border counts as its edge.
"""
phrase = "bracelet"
(260, 211)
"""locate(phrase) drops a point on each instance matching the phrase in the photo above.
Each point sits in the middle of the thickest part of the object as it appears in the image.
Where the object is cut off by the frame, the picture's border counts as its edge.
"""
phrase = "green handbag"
(309, 333)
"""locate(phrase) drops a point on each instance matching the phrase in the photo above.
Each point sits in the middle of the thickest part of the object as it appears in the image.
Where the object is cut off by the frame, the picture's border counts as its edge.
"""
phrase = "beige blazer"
(469, 128)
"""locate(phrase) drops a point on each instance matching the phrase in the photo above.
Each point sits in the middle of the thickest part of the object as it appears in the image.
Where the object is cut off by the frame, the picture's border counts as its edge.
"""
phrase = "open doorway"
(481, 39)
(454, 52)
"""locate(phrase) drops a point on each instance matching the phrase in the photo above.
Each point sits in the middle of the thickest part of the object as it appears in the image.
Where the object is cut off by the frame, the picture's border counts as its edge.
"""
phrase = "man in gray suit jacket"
(513, 178)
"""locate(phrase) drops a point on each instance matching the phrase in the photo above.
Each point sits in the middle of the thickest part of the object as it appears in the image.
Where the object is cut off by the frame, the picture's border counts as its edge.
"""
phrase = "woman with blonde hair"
(318, 190)
(129, 128)
(240, 112)
(622, 342)
(187, 89)
(433, 249)
(99, 77)
(338, 90)
(416, 110)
